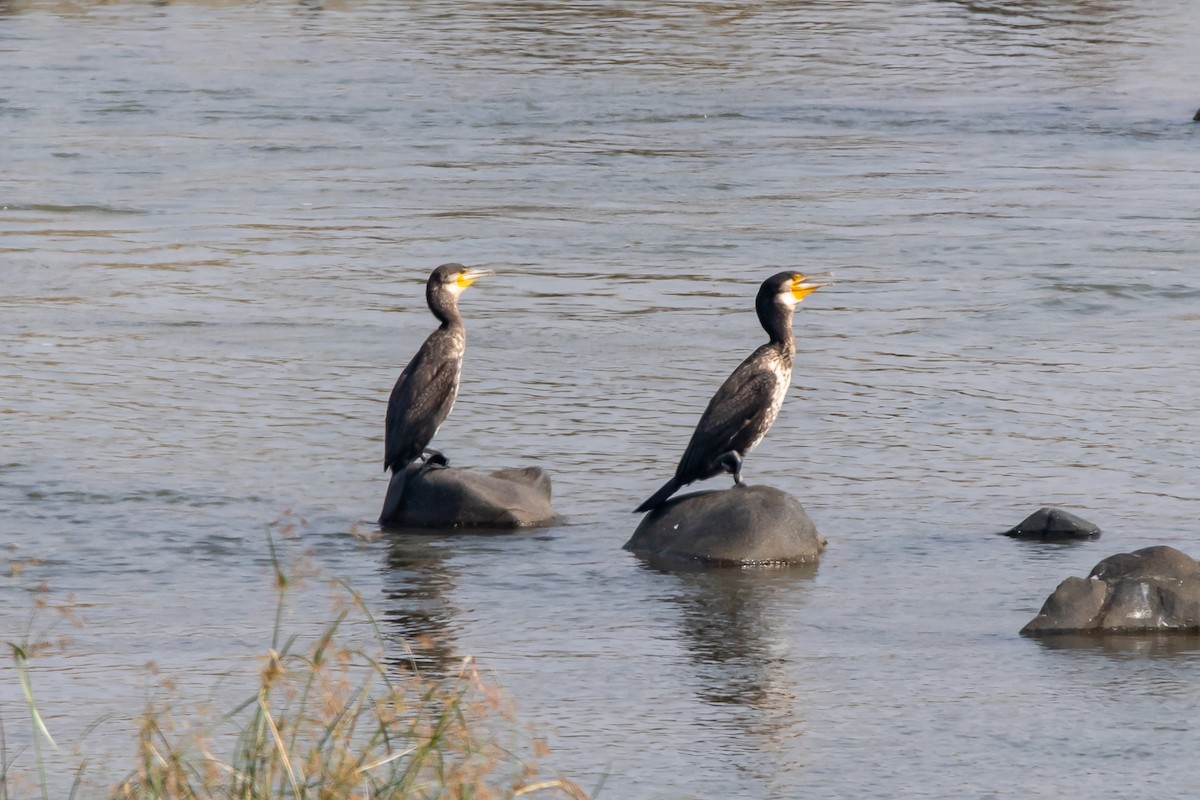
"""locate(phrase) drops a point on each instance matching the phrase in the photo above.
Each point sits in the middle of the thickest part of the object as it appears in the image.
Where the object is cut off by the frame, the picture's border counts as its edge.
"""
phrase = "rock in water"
(742, 525)
(1155, 589)
(1054, 524)
(439, 497)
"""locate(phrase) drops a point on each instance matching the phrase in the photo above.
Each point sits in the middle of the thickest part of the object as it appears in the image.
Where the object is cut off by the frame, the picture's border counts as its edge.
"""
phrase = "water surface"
(215, 224)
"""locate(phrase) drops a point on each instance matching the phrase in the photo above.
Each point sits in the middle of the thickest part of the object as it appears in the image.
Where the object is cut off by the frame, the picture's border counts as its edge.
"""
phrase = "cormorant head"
(448, 281)
(777, 298)
(786, 289)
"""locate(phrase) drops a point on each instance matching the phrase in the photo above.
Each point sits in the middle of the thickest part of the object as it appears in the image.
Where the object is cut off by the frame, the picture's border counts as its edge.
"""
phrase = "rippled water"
(215, 222)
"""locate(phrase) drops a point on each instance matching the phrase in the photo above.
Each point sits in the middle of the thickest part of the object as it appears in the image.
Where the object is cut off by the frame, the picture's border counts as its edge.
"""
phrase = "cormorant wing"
(420, 402)
(730, 422)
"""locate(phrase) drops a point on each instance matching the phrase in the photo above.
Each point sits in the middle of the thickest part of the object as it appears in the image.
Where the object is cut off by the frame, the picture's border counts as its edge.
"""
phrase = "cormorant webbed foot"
(435, 458)
(731, 462)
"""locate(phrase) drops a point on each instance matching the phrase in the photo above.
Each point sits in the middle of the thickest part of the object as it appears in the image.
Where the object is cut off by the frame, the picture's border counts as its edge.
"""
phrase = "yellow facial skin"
(469, 276)
(802, 287)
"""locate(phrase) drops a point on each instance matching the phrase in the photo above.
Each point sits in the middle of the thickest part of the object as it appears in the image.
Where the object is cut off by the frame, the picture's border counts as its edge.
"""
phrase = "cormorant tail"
(658, 498)
(395, 494)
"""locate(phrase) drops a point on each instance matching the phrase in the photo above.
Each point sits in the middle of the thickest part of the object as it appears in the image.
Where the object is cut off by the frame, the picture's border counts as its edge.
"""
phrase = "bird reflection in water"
(418, 586)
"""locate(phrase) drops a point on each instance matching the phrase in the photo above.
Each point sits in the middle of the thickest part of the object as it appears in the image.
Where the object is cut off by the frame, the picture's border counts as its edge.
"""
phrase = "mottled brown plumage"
(425, 391)
(743, 409)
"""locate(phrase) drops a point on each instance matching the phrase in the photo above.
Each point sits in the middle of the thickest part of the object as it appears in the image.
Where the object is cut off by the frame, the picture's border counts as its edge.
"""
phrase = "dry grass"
(328, 721)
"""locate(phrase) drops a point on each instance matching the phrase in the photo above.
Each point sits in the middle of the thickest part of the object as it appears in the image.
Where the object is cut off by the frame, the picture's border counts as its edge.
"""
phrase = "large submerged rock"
(1155, 589)
(1053, 524)
(742, 525)
(426, 496)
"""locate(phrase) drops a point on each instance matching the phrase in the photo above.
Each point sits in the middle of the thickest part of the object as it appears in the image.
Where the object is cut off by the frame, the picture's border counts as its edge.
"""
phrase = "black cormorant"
(742, 410)
(425, 391)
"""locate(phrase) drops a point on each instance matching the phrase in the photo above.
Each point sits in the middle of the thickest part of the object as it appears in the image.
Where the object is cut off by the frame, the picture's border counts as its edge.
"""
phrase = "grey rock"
(1148, 562)
(1053, 524)
(424, 496)
(741, 525)
(1074, 606)
(1155, 589)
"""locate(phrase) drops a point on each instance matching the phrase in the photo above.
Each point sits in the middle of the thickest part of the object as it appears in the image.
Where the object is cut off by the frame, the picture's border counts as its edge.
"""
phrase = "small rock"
(1155, 589)
(440, 497)
(1054, 524)
(741, 525)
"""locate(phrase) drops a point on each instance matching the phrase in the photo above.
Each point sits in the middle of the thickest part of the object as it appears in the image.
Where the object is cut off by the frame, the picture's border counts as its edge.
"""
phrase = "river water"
(215, 223)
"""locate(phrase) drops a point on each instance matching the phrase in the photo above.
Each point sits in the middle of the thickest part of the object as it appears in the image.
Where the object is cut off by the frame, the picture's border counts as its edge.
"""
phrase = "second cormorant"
(740, 413)
(425, 391)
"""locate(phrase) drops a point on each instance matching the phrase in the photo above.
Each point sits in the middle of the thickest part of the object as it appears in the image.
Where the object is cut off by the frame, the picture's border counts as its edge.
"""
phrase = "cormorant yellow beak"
(804, 285)
(469, 276)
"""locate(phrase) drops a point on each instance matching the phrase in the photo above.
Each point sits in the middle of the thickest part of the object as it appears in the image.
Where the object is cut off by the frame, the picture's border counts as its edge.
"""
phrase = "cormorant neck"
(776, 318)
(445, 307)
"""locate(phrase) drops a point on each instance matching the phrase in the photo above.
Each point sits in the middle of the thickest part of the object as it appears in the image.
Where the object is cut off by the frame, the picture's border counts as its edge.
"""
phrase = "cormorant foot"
(731, 462)
(426, 466)
(435, 458)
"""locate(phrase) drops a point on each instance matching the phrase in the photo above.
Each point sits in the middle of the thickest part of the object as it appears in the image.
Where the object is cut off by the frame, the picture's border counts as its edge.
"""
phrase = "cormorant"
(742, 410)
(425, 391)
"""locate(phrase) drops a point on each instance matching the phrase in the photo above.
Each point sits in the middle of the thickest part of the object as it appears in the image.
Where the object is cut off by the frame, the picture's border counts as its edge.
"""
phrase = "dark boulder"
(741, 525)
(1053, 524)
(1155, 589)
(425, 496)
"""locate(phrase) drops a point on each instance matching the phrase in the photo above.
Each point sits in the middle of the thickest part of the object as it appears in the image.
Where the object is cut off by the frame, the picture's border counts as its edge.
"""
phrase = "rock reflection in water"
(1126, 644)
(733, 629)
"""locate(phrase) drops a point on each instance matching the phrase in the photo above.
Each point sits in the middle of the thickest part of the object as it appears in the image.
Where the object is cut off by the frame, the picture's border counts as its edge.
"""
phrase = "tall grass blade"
(21, 660)
(280, 747)
(385, 760)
